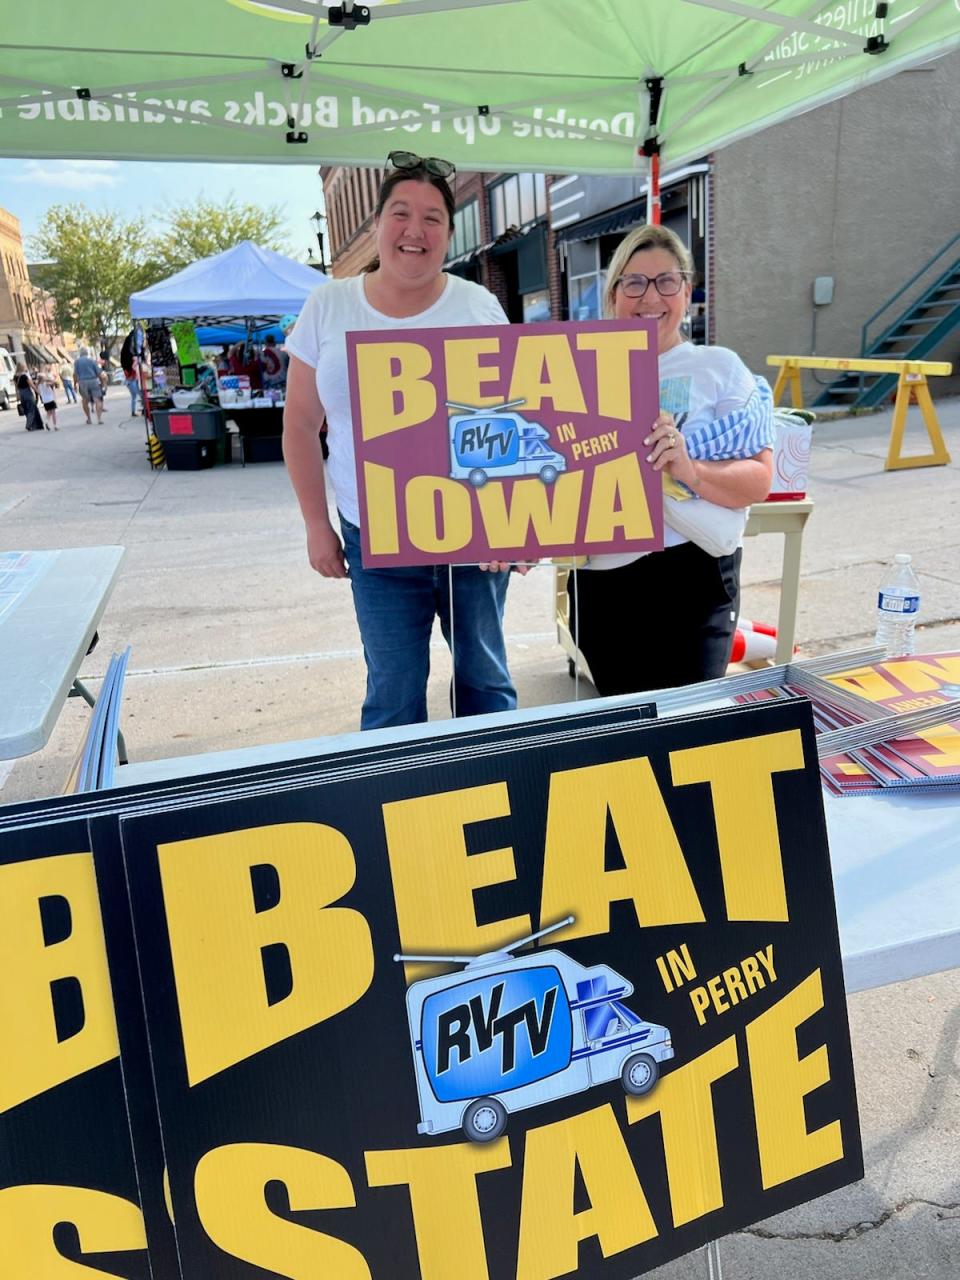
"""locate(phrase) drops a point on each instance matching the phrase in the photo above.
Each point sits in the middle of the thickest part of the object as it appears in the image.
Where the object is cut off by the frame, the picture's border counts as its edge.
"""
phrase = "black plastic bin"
(189, 455)
(182, 425)
(262, 448)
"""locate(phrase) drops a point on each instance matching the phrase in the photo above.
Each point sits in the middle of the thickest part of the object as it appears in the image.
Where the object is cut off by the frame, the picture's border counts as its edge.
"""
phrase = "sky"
(29, 187)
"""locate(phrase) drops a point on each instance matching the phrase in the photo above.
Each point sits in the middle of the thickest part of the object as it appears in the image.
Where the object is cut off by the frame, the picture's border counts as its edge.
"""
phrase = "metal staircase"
(913, 334)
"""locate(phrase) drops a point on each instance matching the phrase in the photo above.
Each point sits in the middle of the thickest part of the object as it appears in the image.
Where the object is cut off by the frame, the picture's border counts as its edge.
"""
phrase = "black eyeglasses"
(432, 164)
(668, 283)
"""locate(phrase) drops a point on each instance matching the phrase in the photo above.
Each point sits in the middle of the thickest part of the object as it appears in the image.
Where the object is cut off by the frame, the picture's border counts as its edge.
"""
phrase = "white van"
(510, 1032)
(8, 372)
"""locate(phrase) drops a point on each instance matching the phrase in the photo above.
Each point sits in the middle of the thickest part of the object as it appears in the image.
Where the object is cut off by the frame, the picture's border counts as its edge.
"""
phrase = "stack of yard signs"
(544, 998)
(890, 724)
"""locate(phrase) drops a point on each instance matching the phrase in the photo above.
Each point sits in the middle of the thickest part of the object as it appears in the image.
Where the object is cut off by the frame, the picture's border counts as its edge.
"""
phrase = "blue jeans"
(69, 391)
(133, 386)
(395, 610)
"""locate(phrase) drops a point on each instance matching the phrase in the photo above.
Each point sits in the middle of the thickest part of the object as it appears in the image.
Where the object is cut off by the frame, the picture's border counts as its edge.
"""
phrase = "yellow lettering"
(946, 743)
(218, 938)
(655, 875)
(552, 510)
(381, 508)
(867, 683)
(619, 1216)
(445, 1203)
(229, 1186)
(28, 1215)
(466, 376)
(700, 1000)
(618, 501)
(781, 1081)
(684, 1101)
(35, 1058)
(715, 987)
(613, 351)
(925, 675)
(740, 775)
(434, 879)
(394, 387)
(445, 530)
(734, 984)
(752, 974)
(544, 369)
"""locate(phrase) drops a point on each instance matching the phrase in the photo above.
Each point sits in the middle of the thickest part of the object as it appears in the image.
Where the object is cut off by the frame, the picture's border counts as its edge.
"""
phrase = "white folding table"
(51, 603)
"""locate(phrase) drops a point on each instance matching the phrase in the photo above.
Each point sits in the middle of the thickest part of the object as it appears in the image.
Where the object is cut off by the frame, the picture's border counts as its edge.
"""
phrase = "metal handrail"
(890, 301)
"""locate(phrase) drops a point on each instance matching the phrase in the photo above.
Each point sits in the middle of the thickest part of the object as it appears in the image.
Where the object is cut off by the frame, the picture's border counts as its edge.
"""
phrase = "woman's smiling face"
(668, 312)
(413, 233)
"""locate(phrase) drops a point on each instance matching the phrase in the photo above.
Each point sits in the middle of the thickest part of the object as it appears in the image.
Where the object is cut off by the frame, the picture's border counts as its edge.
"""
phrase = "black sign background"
(75, 1134)
(347, 1085)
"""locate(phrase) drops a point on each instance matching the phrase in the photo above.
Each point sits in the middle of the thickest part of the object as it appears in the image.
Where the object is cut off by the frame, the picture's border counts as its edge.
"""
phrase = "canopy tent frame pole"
(784, 21)
(746, 68)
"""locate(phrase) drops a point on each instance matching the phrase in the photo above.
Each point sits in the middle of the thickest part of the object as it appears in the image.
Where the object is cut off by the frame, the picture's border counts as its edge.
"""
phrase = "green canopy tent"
(551, 85)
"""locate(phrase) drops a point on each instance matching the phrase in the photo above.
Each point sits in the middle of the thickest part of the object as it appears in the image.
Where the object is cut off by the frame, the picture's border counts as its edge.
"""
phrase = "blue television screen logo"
(496, 1033)
(486, 442)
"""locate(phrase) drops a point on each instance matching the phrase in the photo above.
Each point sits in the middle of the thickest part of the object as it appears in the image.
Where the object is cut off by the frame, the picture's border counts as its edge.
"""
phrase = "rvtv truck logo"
(496, 1033)
(512, 1032)
(496, 443)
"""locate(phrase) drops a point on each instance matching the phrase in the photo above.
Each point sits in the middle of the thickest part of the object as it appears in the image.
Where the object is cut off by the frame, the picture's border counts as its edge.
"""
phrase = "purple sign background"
(545, 460)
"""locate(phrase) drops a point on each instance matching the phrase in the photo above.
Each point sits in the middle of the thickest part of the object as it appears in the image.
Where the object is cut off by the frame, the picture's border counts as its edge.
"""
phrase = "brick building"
(28, 328)
(502, 238)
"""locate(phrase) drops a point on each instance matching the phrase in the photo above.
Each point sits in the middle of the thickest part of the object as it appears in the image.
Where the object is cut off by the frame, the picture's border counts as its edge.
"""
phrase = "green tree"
(199, 230)
(95, 261)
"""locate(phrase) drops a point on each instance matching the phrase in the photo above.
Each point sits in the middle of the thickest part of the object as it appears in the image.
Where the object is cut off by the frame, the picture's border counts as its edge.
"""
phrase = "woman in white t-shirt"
(395, 607)
(668, 618)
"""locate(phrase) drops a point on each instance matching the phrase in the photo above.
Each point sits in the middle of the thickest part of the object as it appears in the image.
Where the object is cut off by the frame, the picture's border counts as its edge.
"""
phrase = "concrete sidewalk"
(237, 642)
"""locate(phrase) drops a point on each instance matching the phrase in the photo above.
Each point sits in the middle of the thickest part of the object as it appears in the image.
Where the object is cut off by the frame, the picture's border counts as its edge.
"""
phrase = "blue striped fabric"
(741, 434)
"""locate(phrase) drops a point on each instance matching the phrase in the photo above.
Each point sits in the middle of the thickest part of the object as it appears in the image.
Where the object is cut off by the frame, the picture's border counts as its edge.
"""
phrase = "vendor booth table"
(50, 605)
(244, 291)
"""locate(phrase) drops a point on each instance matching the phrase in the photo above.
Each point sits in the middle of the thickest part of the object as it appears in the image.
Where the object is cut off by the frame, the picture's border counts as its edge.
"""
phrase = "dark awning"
(605, 224)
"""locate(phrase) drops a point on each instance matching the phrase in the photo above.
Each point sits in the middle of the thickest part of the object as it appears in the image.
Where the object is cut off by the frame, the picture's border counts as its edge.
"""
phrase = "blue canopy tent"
(241, 285)
(218, 335)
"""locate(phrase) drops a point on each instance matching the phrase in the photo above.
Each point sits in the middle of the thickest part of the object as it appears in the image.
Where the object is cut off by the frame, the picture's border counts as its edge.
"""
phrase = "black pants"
(666, 619)
(31, 411)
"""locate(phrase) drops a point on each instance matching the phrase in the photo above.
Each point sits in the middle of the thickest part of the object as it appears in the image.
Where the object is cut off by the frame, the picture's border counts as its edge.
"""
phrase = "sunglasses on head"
(431, 164)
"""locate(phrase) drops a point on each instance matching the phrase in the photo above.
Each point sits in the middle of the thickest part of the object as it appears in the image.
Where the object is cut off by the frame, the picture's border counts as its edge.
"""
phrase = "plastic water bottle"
(898, 603)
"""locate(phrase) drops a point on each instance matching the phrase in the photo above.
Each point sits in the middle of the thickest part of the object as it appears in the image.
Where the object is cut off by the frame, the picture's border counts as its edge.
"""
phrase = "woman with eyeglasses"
(713, 440)
(405, 289)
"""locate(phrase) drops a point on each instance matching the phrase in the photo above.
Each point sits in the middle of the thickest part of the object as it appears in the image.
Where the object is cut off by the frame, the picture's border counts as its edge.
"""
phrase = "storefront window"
(466, 230)
(528, 198)
(585, 298)
(517, 201)
(536, 306)
(496, 210)
(585, 280)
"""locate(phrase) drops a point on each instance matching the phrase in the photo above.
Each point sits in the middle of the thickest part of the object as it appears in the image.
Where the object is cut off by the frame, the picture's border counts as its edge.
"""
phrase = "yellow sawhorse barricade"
(912, 383)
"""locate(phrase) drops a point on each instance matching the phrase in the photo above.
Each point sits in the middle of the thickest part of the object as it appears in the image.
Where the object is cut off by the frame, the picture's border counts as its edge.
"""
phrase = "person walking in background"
(131, 370)
(27, 399)
(132, 381)
(47, 384)
(87, 374)
(66, 378)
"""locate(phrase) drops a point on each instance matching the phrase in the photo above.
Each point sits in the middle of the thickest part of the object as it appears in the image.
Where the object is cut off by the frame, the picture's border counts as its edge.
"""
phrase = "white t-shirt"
(319, 340)
(697, 385)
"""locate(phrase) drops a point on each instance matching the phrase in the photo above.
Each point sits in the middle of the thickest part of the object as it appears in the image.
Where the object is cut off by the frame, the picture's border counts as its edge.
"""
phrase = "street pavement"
(237, 642)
